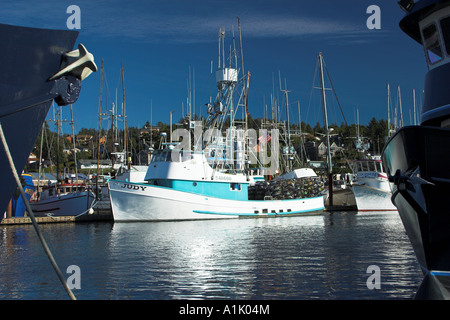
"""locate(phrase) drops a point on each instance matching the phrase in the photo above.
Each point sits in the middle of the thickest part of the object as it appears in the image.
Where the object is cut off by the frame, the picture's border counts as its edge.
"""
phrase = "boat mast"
(240, 43)
(325, 120)
(288, 151)
(40, 162)
(325, 116)
(246, 143)
(57, 144)
(127, 158)
(389, 112)
(400, 105)
(99, 131)
(414, 106)
(74, 145)
(302, 140)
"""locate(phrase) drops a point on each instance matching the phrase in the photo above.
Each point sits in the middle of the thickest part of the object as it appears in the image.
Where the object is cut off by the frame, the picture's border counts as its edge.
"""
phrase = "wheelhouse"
(435, 34)
(428, 22)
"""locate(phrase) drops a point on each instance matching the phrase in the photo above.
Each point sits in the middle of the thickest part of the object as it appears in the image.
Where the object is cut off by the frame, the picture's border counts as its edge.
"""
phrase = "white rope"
(31, 214)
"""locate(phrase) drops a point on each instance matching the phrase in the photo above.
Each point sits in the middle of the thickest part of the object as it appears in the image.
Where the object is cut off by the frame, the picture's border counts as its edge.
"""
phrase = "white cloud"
(198, 29)
(159, 22)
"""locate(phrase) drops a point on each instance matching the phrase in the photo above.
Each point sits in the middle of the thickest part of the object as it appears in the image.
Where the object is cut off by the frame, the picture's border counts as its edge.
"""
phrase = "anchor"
(77, 65)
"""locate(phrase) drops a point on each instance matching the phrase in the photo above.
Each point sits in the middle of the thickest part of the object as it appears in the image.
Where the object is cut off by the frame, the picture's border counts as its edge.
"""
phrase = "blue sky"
(162, 44)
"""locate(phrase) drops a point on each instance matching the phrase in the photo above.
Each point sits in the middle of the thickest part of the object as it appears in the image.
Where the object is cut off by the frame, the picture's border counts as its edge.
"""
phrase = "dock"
(343, 200)
(103, 215)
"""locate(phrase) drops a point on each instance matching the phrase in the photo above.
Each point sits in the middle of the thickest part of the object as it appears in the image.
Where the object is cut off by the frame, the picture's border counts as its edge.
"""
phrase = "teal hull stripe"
(257, 214)
(212, 197)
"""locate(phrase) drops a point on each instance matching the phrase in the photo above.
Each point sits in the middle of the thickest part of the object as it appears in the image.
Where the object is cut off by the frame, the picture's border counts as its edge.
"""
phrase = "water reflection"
(324, 257)
(316, 257)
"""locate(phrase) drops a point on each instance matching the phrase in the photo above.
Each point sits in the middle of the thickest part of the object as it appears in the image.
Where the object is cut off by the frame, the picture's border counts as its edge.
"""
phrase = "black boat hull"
(29, 58)
(415, 159)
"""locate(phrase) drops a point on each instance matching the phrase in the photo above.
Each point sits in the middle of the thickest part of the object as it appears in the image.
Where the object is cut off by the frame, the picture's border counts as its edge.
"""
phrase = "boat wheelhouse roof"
(410, 23)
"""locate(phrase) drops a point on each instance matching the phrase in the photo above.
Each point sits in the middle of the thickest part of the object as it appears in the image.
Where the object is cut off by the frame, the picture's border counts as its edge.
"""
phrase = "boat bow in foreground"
(417, 157)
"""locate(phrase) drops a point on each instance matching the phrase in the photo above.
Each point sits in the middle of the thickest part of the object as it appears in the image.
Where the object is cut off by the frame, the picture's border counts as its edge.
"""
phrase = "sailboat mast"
(400, 105)
(289, 162)
(99, 132)
(389, 111)
(325, 120)
(325, 116)
(125, 120)
(414, 106)
(57, 145)
(74, 144)
(40, 161)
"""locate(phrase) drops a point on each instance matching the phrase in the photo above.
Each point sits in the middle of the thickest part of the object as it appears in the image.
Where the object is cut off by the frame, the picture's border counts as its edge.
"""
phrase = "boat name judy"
(133, 187)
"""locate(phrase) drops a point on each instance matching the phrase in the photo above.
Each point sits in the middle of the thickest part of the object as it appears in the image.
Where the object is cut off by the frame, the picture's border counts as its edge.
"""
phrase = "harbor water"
(340, 255)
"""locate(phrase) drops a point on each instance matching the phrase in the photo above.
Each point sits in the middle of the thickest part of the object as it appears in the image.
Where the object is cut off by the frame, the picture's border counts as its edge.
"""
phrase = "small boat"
(417, 157)
(65, 199)
(372, 188)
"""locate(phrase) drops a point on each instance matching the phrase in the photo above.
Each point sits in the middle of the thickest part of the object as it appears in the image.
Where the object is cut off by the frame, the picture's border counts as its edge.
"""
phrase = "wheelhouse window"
(380, 167)
(432, 44)
(445, 29)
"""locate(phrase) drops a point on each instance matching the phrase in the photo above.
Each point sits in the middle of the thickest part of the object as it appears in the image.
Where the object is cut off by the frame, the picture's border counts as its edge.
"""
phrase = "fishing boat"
(64, 199)
(372, 188)
(211, 178)
(417, 157)
(38, 66)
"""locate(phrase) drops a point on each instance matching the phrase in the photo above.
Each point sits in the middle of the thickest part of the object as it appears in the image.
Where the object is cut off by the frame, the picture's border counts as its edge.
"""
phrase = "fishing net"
(297, 188)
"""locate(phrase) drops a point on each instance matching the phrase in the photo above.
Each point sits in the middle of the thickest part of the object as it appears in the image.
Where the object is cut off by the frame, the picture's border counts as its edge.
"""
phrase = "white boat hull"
(144, 202)
(372, 199)
(71, 204)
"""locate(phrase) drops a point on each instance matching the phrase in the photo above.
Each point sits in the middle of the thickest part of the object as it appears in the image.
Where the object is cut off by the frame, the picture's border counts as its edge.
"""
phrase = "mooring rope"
(31, 214)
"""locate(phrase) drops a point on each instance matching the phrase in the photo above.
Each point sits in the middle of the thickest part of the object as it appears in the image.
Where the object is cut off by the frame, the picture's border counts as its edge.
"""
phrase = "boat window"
(445, 29)
(432, 44)
(380, 167)
(168, 156)
(364, 166)
(360, 166)
(156, 156)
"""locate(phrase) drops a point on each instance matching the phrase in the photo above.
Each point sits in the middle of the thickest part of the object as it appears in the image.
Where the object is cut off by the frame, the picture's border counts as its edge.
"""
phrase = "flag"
(264, 138)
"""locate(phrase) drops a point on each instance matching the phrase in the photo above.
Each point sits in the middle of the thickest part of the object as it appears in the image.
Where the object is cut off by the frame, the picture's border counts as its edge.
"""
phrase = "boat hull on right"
(414, 158)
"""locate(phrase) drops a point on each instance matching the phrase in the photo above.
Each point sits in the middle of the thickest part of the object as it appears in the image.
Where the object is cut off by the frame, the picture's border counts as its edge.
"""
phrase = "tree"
(376, 132)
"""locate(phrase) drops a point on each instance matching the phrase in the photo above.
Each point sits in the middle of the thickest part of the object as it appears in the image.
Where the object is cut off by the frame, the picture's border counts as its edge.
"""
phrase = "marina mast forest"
(348, 143)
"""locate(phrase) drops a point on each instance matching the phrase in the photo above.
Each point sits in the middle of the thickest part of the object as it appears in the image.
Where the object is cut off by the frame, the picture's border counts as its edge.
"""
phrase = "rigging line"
(334, 91)
(33, 220)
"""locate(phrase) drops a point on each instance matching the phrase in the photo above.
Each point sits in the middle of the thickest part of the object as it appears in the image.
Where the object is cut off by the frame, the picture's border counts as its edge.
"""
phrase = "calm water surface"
(315, 257)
